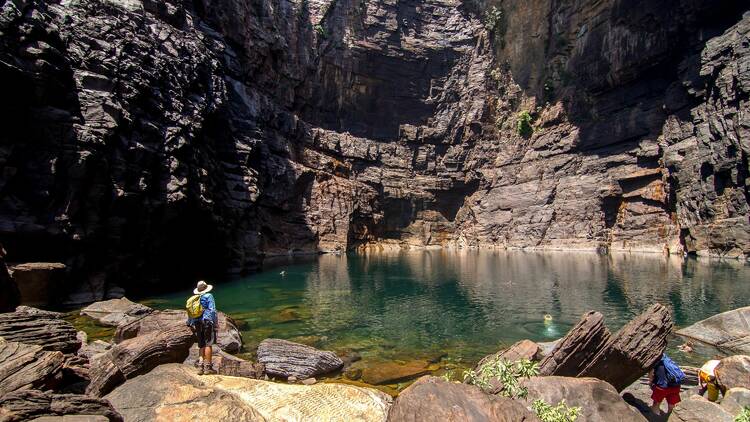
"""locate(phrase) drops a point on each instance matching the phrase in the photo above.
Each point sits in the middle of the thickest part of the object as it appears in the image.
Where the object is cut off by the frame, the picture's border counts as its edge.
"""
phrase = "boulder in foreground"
(175, 393)
(116, 312)
(43, 328)
(24, 366)
(699, 410)
(29, 404)
(599, 401)
(734, 371)
(434, 399)
(728, 330)
(286, 359)
(138, 356)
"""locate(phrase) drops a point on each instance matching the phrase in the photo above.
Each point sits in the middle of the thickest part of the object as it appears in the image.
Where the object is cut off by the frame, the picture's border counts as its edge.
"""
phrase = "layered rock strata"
(174, 139)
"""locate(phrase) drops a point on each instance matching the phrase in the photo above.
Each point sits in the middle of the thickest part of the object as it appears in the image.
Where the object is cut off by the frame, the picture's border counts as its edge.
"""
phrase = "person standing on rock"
(203, 320)
(666, 380)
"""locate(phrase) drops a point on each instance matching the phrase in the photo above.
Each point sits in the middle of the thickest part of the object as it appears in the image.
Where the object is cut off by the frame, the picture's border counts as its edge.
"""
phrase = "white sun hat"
(202, 288)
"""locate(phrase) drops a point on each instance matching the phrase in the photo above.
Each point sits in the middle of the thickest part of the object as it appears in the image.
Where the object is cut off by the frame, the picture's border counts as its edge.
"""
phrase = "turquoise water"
(458, 306)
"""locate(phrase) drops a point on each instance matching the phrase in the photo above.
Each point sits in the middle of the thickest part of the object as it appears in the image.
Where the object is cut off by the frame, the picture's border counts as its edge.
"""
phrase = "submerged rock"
(598, 400)
(30, 404)
(137, 356)
(392, 372)
(115, 312)
(434, 399)
(734, 371)
(589, 350)
(176, 393)
(44, 328)
(727, 330)
(285, 359)
(229, 338)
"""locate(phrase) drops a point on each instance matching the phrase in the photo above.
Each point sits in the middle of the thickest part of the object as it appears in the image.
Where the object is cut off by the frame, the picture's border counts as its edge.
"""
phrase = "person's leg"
(209, 336)
(655, 407)
(713, 392)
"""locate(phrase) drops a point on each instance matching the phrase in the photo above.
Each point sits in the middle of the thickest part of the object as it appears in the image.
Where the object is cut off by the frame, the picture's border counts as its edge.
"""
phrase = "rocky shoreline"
(145, 372)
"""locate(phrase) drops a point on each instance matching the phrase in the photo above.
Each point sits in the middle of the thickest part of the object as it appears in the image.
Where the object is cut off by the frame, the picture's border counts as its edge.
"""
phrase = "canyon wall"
(146, 143)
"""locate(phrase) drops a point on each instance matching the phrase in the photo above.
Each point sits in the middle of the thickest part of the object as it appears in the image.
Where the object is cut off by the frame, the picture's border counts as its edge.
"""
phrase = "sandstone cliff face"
(149, 140)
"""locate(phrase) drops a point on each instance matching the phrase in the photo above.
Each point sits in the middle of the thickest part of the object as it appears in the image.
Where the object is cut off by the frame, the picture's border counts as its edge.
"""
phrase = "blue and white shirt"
(209, 310)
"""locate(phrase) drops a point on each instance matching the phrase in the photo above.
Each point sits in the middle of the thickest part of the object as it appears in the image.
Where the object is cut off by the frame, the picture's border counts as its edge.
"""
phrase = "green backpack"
(194, 307)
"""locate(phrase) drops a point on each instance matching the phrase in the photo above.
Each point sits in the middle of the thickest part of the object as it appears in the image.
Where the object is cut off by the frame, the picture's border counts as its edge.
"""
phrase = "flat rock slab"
(229, 338)
(176, 393)
(734, 371)
(699, 410)
(434, 399)
(27, 366)
(116, 312)
(34, 326)
(599, 401)
(392, 372)
(138, 356)
(31, 404)
(728, 330)
(285, 359)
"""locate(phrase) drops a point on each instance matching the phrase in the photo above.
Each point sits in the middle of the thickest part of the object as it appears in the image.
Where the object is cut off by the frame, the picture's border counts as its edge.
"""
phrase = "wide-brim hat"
(202, 288)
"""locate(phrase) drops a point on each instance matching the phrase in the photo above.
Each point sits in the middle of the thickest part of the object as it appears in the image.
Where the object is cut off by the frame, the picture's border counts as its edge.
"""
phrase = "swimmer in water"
(548, 319)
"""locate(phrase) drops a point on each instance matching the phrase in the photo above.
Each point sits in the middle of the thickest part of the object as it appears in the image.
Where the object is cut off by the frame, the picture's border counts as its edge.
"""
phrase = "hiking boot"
(207, 370)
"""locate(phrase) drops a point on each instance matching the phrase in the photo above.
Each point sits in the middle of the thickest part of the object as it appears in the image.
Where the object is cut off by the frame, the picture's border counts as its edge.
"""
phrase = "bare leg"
(670, 407)
(207, 355)
(655, 408)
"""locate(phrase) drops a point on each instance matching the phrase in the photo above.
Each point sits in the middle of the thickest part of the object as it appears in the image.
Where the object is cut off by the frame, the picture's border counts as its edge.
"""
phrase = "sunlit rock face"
(165, 140)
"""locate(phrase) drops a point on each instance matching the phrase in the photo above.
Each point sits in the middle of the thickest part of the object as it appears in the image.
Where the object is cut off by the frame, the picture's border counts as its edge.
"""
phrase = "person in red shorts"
(663, 387)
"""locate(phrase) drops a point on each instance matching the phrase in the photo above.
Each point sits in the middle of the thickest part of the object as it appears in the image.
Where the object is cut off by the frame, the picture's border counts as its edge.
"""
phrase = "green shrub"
(743, 416)
(320, 30)
(508, 373)
(493, 18)
(523, 124)
(560, 413)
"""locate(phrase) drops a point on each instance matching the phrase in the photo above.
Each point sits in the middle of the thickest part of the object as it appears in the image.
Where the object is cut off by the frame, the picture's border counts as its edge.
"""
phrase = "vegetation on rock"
(523, 124)
(743, 416)
(559, 413)
(505, 372)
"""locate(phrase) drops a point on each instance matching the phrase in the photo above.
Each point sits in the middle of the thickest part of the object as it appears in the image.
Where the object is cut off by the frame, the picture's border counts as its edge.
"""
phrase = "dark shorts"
(206, 333)
(672, 394)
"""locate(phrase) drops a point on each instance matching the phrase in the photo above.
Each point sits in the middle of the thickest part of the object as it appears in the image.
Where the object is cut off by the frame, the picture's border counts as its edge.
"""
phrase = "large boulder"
(574, 351)
(599, 401)
(434, 399)
(34, 326)
(285, 359)
(138, 356)
(25, 366)
(734, 371)
(115, 312)
(728, 330)
(589, 350)
(229, 338)
(30, 404)
(736, 399)
(174, 393)
(40, 283)
(633, 350)
(699, 410)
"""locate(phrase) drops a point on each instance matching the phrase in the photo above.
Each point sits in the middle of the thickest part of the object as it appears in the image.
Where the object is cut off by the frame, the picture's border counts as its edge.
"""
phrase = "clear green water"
(458, 306)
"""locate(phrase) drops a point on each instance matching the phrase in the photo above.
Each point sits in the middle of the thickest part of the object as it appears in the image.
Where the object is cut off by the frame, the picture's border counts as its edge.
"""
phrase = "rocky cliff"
(149, 141)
